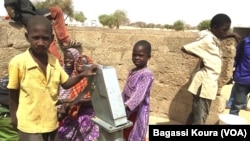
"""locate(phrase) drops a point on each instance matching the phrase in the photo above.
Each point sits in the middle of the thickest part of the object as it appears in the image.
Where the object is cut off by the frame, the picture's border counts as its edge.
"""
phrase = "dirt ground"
(243, 113)
(226, 90)
(154, 120)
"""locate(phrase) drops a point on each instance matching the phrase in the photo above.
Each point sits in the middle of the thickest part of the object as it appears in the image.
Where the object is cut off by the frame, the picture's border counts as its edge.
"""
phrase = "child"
(204, 85)
(78, 126)
(70, 57)
(34, 80)
(136, 92)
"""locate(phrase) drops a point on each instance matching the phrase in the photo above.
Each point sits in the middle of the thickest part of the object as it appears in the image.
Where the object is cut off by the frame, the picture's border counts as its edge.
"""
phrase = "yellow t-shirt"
(208, 50)
(38, 94)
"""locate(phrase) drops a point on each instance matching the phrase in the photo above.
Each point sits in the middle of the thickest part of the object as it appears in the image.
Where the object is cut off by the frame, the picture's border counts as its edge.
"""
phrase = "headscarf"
(75, 53)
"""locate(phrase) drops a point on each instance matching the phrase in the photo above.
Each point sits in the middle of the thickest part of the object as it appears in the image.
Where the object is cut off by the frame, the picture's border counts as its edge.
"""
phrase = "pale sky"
(192, 12)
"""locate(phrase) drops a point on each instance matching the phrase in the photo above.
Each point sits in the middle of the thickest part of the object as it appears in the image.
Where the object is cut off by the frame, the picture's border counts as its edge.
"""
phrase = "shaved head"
(39, 20)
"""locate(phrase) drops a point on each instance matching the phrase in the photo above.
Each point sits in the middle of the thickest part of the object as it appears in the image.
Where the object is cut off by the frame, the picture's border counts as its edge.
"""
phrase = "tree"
(178, 25)
(79, 16)
(139, 24)
(120, 17)
(65, 5)
(158, 26)
(150, 25)
(107, 20)
(114, 20)
(168, 26)
(203, 25)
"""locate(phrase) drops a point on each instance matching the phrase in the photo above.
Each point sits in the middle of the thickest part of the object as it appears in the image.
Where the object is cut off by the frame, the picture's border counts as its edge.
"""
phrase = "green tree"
(107, 20)
(203, 25)
(114, 20)
(178, 25)
(120, 17)
(79, 16)
(103, 19)
(65, 5)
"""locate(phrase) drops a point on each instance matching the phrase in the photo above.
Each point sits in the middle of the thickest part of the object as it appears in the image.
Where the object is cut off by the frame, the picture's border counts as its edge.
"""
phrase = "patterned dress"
(136, 96)
(81, 128)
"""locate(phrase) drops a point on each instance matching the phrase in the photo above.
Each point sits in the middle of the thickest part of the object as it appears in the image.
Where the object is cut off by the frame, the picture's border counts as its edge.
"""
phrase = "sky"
(191, 12)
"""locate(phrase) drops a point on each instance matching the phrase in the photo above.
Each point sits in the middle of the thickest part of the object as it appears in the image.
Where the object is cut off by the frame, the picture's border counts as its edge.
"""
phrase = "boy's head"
(39, 34)
(141, 53)
(219, 25)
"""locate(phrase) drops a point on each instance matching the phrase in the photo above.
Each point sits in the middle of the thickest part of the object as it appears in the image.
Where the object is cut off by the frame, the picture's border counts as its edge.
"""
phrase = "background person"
(204, 85)
(241, 76)
(70, 57)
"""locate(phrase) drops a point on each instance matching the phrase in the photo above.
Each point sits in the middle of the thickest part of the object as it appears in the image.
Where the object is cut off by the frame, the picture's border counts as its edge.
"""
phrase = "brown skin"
(222, 32)
(40, 37)
(13, 104)
(68, 60)
(140, 59)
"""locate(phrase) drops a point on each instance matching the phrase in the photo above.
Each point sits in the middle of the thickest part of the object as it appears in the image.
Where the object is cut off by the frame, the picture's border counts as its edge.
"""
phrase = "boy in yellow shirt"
(34, 79)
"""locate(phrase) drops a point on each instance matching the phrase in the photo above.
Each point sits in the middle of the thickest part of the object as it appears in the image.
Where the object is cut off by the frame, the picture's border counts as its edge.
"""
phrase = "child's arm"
(84, 100)
(13, 104)
(73, 80)
(234, 35)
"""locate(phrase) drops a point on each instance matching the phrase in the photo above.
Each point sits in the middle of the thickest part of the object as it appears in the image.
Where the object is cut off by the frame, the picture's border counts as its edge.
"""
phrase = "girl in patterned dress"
(136, 92)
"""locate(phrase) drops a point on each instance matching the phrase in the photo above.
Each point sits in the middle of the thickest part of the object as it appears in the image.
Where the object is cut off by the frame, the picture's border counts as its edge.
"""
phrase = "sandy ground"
(226, 90)
(153, 120)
